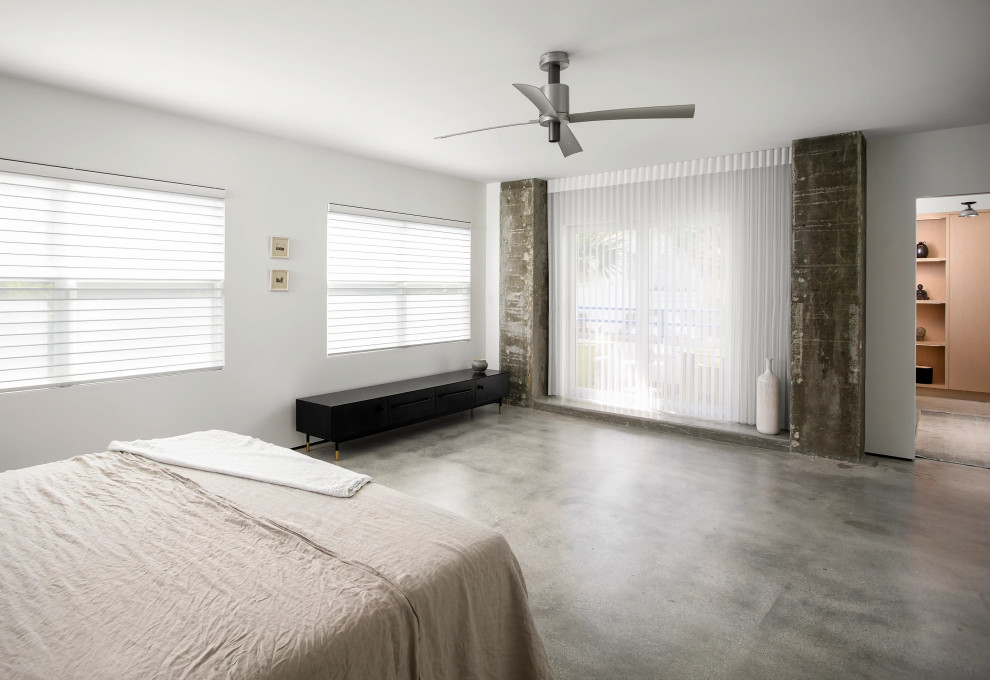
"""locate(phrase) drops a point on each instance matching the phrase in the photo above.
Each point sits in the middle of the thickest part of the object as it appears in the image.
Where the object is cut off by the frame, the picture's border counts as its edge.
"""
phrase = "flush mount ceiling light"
(969, 212)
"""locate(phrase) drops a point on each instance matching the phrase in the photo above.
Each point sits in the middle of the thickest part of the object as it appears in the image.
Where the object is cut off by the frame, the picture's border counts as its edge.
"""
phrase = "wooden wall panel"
(969, 303)
(931, 230)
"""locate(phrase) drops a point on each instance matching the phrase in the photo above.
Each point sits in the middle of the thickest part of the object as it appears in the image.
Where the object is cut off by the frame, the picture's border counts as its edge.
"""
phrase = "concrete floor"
(953, 438)
(654, 555)
(964, 407)
(953, 430)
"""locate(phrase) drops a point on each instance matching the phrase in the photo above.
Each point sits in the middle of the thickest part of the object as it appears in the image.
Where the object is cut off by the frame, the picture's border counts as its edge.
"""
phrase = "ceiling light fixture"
(969, 212)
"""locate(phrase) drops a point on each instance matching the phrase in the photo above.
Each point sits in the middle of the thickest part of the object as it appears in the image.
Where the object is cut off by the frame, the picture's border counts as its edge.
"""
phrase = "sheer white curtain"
(669, 284)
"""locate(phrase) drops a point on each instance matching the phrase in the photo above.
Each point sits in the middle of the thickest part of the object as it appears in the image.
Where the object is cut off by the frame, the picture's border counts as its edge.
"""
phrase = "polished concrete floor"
(953, 430)
(964, 407)
(652, 555)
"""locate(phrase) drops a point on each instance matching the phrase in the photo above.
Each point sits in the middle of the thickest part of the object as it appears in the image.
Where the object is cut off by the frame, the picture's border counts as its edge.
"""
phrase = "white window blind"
(102, 281)
(395, 282)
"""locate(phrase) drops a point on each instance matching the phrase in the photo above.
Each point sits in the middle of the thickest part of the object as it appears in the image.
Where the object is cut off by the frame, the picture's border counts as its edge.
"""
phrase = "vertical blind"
(395, 282)
(669, 284)
(102, 281)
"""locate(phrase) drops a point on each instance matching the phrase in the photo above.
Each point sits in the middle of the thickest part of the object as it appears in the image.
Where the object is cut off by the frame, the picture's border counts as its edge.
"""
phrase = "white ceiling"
(382, 79)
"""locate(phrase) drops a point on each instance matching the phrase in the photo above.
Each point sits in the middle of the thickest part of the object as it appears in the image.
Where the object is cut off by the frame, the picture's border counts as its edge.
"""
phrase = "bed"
(118, 566)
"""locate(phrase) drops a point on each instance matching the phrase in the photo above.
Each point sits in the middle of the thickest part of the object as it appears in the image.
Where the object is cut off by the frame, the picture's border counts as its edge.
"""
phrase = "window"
(669, 284)
(395, 282)
(101, 281)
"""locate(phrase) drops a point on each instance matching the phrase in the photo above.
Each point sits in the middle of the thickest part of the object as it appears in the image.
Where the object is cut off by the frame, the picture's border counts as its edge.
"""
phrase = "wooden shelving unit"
(956, 275)
(933, 313)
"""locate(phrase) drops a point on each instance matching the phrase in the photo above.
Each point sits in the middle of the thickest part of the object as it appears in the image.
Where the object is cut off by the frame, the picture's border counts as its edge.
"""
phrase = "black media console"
(341, 416)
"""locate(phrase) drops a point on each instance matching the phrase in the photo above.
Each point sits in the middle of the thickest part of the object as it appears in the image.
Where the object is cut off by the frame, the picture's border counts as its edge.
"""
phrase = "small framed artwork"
(278, 279)
(280, 246)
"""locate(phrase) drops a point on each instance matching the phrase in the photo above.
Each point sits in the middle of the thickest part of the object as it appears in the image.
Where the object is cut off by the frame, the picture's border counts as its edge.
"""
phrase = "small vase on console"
(768, 401)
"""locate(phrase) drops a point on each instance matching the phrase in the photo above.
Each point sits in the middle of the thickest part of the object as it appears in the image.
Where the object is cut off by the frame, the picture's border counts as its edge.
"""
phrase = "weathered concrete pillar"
(828, 296)
(524, 284)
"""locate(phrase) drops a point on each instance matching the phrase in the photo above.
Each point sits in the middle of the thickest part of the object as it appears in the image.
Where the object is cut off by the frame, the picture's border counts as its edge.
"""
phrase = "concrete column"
(828, 295)
(524, 289)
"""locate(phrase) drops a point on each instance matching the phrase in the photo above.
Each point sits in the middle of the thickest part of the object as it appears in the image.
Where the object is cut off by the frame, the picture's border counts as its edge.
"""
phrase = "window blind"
(395, 282)
(103, 281)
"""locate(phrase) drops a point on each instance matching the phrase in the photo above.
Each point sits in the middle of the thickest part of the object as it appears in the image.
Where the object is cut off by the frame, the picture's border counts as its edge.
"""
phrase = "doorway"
(952, 318)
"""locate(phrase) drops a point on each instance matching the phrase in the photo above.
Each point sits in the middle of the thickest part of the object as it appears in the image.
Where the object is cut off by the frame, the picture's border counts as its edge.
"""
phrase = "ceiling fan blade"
(681, 111)
(568, 142)
(494, 127)
(540, 101)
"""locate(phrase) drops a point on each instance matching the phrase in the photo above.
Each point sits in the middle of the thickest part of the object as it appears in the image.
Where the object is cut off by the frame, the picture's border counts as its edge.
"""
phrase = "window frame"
(455, 290)
(62, 361)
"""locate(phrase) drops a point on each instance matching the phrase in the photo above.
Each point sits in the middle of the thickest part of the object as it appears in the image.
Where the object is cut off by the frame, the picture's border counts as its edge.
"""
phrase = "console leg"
(499, 405)
(336, 451)
(307, 442)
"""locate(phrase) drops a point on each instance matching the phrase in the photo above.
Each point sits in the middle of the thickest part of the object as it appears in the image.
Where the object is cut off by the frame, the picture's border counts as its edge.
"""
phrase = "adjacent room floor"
(652, 555)
(953, 430)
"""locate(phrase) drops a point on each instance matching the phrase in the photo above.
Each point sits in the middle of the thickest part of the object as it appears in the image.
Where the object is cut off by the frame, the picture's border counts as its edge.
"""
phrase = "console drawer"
(491, 388)
(359, 418)
(455, 397)
(409, 406)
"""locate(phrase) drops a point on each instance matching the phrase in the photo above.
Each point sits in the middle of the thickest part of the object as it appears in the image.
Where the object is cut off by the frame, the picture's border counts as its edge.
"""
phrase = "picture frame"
(278, 279)
(279, 247)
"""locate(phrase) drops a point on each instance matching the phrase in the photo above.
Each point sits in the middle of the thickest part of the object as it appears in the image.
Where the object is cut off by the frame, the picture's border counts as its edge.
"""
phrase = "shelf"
(933, 313)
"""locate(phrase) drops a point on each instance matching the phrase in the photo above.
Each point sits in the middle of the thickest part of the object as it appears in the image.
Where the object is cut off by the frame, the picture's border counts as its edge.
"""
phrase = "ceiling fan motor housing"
(559, 96)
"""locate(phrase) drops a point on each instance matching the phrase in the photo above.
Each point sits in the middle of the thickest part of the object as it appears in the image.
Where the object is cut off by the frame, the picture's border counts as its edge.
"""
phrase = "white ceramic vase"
(768, 401)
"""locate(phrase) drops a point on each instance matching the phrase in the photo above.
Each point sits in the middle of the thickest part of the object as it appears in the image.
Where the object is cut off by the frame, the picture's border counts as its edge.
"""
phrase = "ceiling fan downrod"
(558, 93)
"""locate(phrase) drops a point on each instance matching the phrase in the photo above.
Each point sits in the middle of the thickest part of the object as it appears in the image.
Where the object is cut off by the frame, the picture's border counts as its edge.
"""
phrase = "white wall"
(899, 170)
(275, 342)
(939, 204)
(492, 271)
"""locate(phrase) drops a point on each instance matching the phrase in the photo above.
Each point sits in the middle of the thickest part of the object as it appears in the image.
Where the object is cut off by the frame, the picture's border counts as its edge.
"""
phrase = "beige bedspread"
(114, 566)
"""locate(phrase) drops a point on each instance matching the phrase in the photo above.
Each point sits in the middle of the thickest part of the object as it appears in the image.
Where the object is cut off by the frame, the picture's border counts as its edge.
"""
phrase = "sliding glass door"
(668, 291)
(646, 314)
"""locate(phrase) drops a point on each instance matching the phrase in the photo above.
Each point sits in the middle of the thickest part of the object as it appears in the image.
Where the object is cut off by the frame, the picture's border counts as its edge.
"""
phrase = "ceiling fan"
(553, 102)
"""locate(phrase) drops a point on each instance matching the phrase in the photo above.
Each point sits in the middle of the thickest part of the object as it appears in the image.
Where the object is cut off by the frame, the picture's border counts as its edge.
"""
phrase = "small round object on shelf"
(479, 365)
(922, 249)
(919, 334)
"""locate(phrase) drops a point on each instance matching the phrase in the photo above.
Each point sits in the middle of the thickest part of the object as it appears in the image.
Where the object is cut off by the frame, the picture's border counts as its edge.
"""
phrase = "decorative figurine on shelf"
(919, 334)
(922, 293)
(479, 365)
(922, 249)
